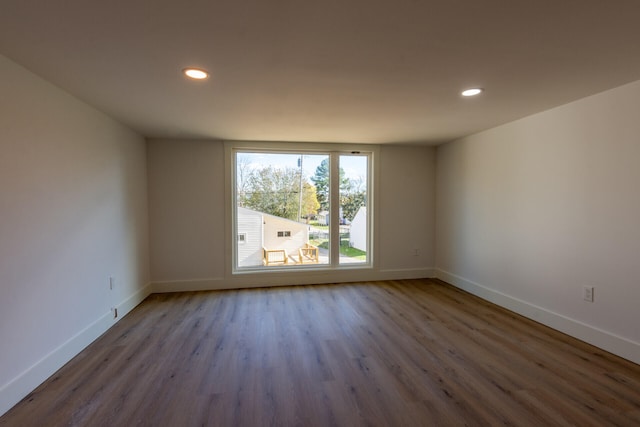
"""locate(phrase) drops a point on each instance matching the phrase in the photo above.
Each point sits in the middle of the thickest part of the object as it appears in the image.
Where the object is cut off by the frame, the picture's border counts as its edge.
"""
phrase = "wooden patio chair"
(274, 256)
(308, 254)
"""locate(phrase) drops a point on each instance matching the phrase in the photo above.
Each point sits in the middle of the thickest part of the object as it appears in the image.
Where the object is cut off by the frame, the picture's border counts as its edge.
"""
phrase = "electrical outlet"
(416, 252)
(587, 293)
(112, 283)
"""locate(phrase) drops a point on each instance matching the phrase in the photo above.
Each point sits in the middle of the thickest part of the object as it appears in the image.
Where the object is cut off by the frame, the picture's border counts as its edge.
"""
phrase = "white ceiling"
(372, 71)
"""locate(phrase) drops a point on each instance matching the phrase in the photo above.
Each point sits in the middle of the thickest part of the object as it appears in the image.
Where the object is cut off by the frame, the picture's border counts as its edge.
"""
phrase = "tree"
(321, 181)
(243, 172)
(353, 198)
(351, 202)
(276, 191)
(310, 204)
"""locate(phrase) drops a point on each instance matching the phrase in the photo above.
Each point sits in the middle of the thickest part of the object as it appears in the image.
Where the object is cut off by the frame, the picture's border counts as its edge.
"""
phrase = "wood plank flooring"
(393, 353)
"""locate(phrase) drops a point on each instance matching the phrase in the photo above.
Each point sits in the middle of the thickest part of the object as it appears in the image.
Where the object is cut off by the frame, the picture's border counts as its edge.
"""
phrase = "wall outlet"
(416, 252)
(587, 293)
(112, 283)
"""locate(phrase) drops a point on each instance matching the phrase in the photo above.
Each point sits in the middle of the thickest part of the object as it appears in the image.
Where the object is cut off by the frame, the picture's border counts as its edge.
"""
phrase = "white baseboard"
(16, 389)
(406, 273)
(311, 277)
(607, 341)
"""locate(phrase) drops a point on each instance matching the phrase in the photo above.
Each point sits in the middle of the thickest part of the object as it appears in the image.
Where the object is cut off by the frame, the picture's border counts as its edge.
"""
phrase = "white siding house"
(250, 240)
(281, 233)
(258, 229)
(358, 232)
(323, 217)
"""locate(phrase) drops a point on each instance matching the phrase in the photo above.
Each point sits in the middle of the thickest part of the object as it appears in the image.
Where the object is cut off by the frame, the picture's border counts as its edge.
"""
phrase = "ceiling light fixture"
(196, 73)
(472, 92)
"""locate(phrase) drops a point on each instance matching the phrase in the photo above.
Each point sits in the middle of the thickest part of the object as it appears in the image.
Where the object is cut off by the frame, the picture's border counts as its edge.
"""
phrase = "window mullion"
(334, 206)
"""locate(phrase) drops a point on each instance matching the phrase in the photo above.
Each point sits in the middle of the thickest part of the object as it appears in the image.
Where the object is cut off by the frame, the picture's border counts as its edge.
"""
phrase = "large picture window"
(300, 209)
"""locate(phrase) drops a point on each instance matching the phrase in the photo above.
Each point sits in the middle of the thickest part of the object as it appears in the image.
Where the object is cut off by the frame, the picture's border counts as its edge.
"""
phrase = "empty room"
(338, 213)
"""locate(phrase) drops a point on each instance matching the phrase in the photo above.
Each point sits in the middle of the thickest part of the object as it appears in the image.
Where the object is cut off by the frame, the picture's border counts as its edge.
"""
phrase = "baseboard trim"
(15, 390)
(311, 277)
(607, 341)
(407, 273)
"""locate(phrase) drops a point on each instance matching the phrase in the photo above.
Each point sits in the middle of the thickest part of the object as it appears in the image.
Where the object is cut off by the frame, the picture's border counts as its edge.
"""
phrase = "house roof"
(286, 220)
(374, 71)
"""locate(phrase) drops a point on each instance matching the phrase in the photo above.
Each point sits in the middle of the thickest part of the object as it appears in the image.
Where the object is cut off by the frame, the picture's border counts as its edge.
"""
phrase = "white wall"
(73, 211)
(530, 212)
(187, 219)
(407, 208)
(186, 210)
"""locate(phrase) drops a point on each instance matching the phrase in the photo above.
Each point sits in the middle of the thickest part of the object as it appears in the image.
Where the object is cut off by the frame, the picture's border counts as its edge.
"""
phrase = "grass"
(315, 224)
(345, 249)
(350, 252)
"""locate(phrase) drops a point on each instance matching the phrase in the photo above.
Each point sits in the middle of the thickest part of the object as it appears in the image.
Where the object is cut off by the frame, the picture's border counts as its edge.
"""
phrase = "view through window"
(285, 208)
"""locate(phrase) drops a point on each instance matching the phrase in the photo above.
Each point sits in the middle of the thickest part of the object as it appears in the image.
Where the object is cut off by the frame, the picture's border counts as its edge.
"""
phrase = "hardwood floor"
(393, 353)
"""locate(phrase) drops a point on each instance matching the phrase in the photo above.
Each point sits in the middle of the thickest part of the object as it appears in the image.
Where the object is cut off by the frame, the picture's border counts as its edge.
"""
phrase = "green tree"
(352, 197)
(321, 181)
(276, 191)
(351, 202)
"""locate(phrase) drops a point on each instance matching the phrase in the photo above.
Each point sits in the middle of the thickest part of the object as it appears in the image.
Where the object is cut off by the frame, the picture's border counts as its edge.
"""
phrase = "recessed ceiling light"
(472, 92)
(196, 73)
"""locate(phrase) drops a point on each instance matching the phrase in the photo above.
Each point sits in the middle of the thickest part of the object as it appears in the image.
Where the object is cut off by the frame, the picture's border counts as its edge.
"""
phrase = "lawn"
(353, 252)
(315, 224)
(345, 249)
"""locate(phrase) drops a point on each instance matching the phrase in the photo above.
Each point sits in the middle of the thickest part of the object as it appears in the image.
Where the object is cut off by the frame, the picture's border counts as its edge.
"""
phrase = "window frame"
(334, 151)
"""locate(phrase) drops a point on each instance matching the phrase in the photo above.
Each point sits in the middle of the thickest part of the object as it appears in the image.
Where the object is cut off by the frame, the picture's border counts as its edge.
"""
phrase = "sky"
(354, 166)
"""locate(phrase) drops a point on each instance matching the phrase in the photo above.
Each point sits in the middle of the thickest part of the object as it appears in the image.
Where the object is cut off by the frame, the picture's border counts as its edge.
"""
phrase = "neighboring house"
(323, 218)
(358, 232)
(258, 229)
(250, 237)
(281, 233)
